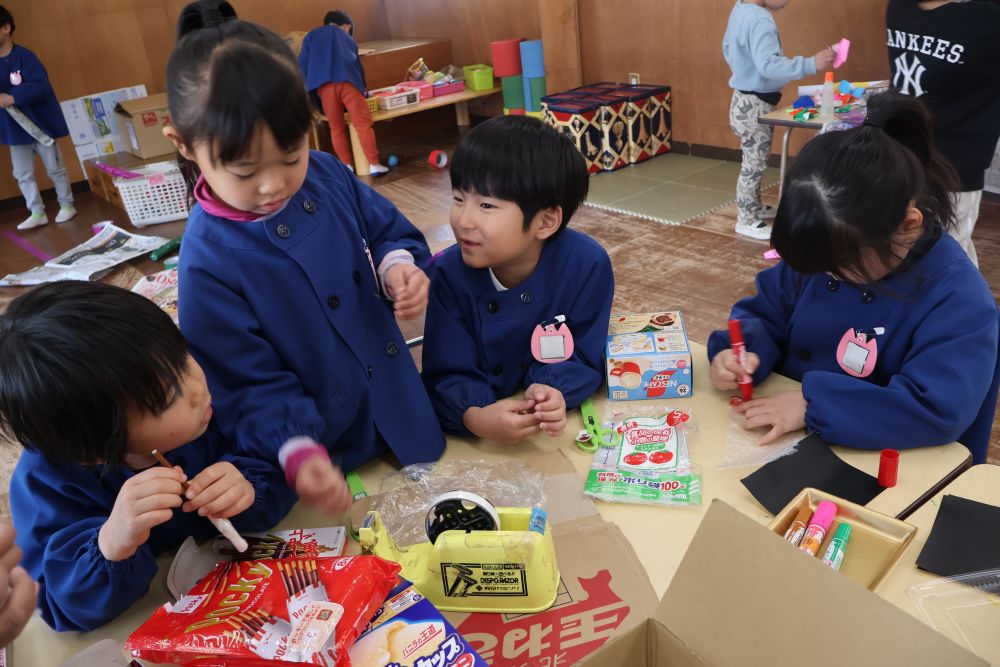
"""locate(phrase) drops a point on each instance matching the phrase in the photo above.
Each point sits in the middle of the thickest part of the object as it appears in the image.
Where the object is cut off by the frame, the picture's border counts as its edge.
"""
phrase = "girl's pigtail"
(204, 14)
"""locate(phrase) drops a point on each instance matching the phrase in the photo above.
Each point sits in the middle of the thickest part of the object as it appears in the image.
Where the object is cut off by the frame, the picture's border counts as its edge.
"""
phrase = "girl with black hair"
(293, 271)
(93, 379)
(874, 307)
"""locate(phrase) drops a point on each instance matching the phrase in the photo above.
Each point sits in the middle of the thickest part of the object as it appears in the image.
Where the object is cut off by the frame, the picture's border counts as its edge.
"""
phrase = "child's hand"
(407, 286)
(6, 100)
(322, 485)
(219, 491)
(824, 59)
(18, 591)
(784, 413)
(505, 421)
(550, 408)
(144, 501)
(725, 370)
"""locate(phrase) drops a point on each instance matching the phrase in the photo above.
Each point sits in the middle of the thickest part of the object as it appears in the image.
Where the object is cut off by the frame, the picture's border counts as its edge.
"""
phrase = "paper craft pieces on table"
(965, 538)
(814, 465)
(842, 48)
(804, 102)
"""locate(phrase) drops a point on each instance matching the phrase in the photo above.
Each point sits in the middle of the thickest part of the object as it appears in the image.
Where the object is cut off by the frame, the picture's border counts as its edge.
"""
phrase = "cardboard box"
(407, 631)
(742, 598)
(648, 357)
(877, 541)
(91, 121)
(140, 125)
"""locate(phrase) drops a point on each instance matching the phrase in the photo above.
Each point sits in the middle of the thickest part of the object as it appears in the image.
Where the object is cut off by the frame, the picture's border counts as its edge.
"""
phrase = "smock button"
(526, 297)
(868, 296)
(498, 369)
(283, 231)
(833, 284)
(333, 301)
(805, 355)
(309, 206)
(392, 349)
(370, 371)
(357, 277)
(493, 306)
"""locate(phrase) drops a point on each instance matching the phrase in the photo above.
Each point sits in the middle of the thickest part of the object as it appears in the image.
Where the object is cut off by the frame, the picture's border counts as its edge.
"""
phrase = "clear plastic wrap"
(742, 448)
(405, 496)
(643, 456)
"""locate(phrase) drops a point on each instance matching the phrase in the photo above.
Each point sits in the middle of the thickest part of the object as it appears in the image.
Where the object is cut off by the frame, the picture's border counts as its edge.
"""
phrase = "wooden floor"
(700, 268)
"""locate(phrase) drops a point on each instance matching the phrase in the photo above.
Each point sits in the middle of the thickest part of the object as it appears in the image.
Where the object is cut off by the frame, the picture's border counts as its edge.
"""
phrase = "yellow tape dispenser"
(479, 558)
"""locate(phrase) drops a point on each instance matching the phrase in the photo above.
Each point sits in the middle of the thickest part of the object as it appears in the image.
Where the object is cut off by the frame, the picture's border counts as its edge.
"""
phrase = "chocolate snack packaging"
(266, 612)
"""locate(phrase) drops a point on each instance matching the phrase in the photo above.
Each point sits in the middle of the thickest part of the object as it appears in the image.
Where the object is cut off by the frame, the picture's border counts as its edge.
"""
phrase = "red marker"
(740, 352)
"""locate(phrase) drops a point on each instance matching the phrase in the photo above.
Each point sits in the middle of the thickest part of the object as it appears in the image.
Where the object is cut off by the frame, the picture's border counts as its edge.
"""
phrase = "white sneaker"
(66, 213)
(379, 169)
(34, 220)
(768, 212)
(756, 230)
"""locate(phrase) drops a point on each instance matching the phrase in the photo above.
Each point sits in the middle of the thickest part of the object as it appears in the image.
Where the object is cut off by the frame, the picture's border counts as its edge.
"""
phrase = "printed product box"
(92, 123)
(648, 357)
(408, 631)
(140, 125)
(742, 597)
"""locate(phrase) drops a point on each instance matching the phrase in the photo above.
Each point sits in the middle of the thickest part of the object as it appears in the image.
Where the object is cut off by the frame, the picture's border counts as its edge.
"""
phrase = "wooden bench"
(460, 100)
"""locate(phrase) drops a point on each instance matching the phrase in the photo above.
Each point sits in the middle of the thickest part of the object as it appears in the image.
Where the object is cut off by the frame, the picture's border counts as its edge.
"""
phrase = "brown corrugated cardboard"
(742, 597)
(140, 124)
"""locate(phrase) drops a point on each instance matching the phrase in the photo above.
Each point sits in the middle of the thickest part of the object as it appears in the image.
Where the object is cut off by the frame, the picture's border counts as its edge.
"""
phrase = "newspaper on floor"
(90, 260)
(161, 289)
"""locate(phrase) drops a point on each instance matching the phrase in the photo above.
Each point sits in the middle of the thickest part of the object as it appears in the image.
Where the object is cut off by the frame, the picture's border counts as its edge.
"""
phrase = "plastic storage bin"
(478, 77)
(425, 89)
(449, 88)
(395, 97)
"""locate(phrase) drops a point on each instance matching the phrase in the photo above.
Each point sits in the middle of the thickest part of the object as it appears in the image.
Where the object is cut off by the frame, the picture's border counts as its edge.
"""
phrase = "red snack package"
(267, 612)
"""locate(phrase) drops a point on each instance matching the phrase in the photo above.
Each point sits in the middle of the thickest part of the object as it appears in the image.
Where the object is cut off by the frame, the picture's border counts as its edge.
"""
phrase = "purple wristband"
(300, 451)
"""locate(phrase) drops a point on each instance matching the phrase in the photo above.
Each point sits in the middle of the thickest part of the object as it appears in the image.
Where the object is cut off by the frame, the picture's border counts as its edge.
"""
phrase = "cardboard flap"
(132, 107)
(743, 596)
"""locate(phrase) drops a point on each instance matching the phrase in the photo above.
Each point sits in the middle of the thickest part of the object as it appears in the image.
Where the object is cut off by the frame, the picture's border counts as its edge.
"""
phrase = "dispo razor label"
(484, 579)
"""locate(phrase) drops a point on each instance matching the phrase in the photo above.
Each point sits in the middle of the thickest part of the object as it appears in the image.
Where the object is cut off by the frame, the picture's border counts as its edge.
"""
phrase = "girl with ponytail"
(874, 307)
(293, 271)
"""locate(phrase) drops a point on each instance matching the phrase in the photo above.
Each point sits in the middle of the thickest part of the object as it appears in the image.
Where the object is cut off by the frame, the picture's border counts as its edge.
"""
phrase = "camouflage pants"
(755, 141)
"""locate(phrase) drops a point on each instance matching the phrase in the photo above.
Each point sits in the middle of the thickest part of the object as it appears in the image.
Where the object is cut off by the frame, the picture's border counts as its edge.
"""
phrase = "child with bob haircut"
(293, 271)
(93, 378)
(874, 307)
(516, 183)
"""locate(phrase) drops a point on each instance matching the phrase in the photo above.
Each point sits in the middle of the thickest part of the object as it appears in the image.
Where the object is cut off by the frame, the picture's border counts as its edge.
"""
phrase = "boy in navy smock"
(519, 303)
(93, 379)
(24, 84)
(335, 80)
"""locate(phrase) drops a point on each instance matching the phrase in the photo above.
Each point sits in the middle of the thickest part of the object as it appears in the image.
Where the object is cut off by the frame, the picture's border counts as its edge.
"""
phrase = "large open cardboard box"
(742, 597)
(140, 125)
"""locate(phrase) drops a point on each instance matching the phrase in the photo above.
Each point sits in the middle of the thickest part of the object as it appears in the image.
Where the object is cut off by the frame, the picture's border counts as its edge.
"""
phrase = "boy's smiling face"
(490, 233)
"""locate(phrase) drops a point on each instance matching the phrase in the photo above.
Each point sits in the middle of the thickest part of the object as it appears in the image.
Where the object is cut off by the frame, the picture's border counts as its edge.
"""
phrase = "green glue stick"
(834, 556)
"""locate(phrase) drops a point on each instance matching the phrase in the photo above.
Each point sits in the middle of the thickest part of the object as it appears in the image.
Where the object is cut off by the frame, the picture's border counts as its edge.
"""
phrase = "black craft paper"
(965, 538)
(775, 484)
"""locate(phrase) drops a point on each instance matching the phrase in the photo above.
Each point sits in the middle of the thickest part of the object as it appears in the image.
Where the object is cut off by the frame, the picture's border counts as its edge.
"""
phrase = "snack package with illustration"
(643, 457)
(648, 357)
(408, 631)
(267, 612)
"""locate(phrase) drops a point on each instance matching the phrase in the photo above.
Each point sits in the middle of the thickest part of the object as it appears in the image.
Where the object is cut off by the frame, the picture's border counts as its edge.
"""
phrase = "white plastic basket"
(159, 196)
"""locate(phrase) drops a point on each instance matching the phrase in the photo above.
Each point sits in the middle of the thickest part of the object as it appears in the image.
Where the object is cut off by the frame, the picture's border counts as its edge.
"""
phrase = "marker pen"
(798, 528)
(818, 525)
(740, 352)
(834, 556)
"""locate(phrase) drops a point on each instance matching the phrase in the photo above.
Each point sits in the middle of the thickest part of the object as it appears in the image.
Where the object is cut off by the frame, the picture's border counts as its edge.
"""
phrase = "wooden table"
(660, 550)
(980, 483)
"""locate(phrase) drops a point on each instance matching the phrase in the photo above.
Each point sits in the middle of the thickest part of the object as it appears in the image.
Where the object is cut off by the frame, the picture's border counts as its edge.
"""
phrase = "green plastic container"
(478, 77)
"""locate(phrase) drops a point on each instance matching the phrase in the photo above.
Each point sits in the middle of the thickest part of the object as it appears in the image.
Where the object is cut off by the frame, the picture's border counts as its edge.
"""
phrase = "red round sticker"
(682, 363)
(660, 457)
(464, 660)
(635, 459)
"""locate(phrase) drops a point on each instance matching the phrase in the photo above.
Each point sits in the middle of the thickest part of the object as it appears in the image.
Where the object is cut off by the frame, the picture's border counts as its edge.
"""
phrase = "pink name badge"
(857, 354)
(552, 342)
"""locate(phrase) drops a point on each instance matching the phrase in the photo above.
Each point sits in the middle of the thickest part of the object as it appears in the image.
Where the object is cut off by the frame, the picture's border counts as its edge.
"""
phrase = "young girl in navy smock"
(286, 260)
(874, 308)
